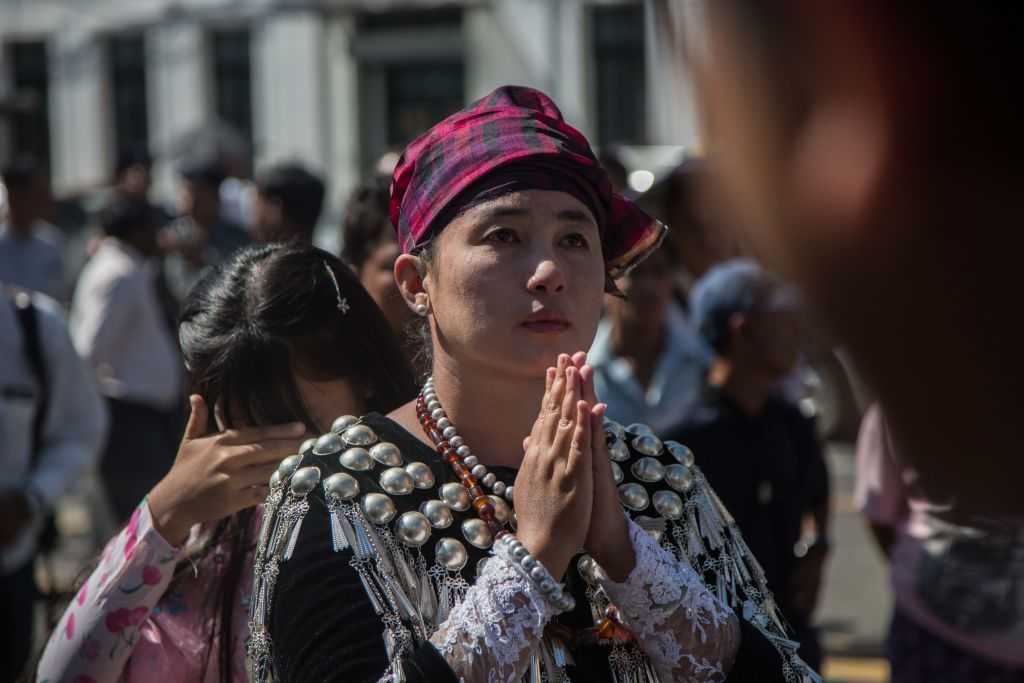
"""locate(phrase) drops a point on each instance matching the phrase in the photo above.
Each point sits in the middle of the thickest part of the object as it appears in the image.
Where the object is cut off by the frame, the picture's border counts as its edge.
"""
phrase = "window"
(420, 95)
(30, 120)
(232, 79)
(127, 60)
(412, 75)
(620, 76)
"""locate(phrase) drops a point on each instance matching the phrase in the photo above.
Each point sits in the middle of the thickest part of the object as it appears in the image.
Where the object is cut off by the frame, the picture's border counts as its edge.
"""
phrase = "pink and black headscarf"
(513, 139)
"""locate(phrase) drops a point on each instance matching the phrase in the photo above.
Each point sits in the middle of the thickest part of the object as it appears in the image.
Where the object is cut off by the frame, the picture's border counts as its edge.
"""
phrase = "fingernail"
(296, 427)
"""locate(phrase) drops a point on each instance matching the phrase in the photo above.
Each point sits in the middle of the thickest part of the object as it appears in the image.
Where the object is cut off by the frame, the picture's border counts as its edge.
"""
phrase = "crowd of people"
(260, 411)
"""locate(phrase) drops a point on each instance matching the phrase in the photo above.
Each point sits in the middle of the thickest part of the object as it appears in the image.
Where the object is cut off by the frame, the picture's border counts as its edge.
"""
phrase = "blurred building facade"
(334, 83)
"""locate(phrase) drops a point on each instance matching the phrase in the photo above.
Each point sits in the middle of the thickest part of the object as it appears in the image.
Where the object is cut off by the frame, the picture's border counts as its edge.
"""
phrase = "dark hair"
(133, 155)
(20, 173)
(123, 216)
(300, 193)
(245, 329)
(367, 223)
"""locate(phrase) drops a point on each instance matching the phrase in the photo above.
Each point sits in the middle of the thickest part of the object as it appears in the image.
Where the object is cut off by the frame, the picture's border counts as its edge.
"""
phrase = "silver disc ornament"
(289, 465)
(451, 554)
(422, 475)
(679, 477)
(304, 480)
(341, 486)
(668, 504)
(412, 529)
(386, 453)
(437, 513)
(342, 423)
(476, 532)
(378, 508)
(396, 481)
(648, 469)
(682, 454)
(356, 459)
(647, 444)
(634, 496)
(359, 435)
(456, 495)
(328, 444)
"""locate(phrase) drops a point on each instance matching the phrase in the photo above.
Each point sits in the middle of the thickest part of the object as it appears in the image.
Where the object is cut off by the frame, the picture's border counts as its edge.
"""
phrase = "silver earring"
(421, 309)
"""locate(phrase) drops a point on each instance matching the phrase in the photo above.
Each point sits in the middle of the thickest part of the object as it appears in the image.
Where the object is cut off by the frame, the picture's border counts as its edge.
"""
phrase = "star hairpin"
(343, 306)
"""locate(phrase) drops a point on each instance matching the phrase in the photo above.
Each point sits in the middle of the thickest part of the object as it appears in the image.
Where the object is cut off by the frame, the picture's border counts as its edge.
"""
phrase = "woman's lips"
(547, 326)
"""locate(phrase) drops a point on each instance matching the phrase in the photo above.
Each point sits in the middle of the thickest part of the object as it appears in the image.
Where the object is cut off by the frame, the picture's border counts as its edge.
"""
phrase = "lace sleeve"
(688, 634)
(490, 635)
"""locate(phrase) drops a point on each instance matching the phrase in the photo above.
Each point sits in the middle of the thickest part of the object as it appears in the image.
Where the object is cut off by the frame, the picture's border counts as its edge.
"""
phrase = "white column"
(672, 111)
(177, 81)
(80, 142)
(288, 86)
(342, 125)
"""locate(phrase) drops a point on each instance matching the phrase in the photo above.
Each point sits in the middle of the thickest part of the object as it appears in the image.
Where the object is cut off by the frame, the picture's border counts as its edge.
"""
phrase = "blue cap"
(737, 286)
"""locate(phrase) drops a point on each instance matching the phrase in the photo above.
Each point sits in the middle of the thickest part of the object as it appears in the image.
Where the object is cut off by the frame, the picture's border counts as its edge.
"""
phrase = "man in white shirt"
(30, 248)
(118, 325)
(52, 425)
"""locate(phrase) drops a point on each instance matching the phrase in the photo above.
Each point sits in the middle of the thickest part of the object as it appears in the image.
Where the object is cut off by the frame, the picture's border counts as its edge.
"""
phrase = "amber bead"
(475, 491)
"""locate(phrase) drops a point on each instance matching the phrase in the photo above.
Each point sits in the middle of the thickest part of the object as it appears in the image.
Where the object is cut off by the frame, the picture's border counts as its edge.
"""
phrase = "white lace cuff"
(490, 635)
(686, 632)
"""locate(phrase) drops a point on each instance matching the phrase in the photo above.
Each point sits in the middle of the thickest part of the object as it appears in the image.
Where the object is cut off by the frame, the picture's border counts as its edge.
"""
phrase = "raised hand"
(608, 538)
(216, 475)
(554, 486)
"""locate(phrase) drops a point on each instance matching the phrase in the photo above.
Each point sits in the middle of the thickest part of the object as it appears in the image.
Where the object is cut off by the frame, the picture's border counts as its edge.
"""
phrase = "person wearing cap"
(497, 527)
(202, 236)
(287, 204)
(756, 448)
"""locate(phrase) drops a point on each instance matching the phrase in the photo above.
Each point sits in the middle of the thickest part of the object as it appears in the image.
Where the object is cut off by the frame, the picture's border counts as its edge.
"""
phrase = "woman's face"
(516, 281)
(377, 275)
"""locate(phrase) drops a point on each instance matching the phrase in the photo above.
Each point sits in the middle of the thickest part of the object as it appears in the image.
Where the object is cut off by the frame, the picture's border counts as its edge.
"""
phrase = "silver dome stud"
(451, 554)
(682, 454)
(328, 444)
(422, 475)
(359, 435)
(679, 477)
(668, 504)
(387, 453)
(304, 480)
(456, 495)
(634, 496)
(638, 429)
(615, 429)
(618, 451)
(288, 466)
(412, 528)
(357, 459)
(647, 444)
(616, 472)
(502, 510)
(648, 469)
(476, 532)
(378, 508)
(275, 480)
(342, 423)
(341, 486)
(396, 481)
(437, 513)
(307, 445)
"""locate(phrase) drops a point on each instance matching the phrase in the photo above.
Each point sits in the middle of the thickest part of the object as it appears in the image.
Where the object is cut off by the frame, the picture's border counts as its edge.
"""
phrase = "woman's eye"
(575, 241)
(501, 235)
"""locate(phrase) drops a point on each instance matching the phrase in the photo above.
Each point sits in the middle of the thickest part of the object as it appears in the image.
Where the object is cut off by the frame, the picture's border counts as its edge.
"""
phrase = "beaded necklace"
(467, 467)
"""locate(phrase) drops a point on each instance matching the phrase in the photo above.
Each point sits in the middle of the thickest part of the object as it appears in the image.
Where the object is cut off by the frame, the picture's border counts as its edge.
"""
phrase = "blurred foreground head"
(871, 149)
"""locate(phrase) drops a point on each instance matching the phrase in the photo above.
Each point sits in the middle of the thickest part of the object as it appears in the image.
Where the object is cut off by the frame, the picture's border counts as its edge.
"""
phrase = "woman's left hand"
(608, 540)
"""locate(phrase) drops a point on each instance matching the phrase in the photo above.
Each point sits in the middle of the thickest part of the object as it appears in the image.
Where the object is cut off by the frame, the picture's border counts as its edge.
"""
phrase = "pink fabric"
(944, 574)
(127, 624)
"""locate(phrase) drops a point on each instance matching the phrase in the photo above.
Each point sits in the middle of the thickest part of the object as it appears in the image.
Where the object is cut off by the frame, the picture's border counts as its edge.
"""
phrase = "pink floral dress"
(127, 624)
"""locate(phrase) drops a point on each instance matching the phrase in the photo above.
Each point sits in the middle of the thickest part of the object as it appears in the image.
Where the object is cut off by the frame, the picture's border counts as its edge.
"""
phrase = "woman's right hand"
(216, 475)
(554, 487)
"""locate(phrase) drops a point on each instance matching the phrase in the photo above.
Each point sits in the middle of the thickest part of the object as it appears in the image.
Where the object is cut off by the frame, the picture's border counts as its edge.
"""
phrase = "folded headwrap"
(513, 139)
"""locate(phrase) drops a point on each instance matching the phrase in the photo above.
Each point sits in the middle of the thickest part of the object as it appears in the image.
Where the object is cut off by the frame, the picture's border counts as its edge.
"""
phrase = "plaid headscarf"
(521, 132)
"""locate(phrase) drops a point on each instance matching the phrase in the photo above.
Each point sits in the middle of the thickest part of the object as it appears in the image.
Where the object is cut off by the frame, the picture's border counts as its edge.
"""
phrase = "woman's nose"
(547, 277)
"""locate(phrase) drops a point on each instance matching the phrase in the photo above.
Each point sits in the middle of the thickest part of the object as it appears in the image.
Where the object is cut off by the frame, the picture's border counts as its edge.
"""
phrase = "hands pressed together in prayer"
(565, 496)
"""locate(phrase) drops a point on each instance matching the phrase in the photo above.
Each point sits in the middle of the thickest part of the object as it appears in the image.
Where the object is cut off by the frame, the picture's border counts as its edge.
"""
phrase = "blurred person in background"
(203, 236)
(287, 205)
(872, 151)
(30, 246)
(956, 614)
(168, 601)
(702, 238)
(119, 326)
(648, 364)
(758, 450)
(52, 425)
(369, 246)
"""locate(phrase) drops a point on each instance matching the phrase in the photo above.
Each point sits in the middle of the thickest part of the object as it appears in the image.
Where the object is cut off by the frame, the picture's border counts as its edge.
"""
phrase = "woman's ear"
(409, 275)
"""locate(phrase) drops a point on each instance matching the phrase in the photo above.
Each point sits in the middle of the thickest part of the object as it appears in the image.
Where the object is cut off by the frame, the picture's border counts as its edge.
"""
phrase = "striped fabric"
(516, 126)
